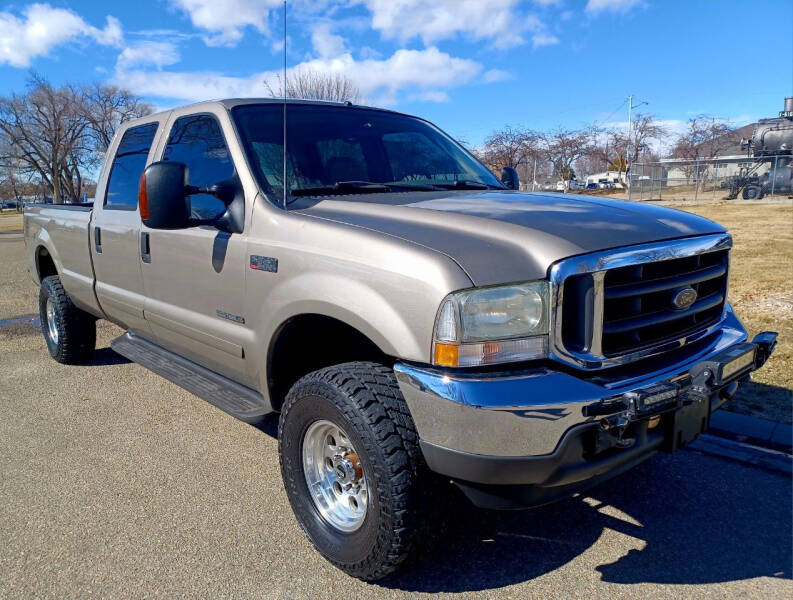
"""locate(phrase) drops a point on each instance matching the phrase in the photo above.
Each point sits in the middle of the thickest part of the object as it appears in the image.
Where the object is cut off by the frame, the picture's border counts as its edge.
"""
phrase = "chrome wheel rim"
(52, 324)
(334, 476)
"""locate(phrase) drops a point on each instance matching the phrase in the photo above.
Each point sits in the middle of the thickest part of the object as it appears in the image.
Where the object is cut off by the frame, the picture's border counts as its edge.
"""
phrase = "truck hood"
(503, 236)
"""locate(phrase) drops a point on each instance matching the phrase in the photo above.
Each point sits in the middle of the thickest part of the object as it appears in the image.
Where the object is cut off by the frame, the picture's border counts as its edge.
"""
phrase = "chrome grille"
(638, 308)
(617, 306)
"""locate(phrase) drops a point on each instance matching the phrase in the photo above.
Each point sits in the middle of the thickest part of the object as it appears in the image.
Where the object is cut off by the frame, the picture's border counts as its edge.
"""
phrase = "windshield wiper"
(417, 187)
(343, 187)
(364, 187)
(467, 184)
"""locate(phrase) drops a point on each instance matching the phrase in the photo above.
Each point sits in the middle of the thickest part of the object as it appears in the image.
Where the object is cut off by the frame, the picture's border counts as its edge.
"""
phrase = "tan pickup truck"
(416, 322)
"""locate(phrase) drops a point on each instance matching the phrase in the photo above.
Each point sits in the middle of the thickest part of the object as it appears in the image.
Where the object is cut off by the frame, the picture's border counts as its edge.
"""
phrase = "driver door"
(194, 278)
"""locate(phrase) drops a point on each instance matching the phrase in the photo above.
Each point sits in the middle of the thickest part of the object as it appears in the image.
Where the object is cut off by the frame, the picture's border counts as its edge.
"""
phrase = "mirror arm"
(224, 193)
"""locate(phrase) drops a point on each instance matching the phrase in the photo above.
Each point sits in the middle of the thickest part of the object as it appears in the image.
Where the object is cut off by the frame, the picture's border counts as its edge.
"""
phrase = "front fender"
(356, 304)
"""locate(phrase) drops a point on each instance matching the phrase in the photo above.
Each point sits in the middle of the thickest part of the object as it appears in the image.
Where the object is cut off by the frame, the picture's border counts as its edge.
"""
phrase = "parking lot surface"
(117, 483)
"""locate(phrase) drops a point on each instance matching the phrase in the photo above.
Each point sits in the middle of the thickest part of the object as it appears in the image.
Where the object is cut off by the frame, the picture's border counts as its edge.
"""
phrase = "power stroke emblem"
(684, 298)
(229, 316)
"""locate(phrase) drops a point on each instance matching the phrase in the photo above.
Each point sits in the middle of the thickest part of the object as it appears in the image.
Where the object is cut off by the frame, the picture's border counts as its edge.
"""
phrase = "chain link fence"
(717, 178)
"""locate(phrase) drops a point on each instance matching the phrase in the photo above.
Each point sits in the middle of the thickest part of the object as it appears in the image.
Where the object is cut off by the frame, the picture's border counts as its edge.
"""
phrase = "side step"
(239, 401)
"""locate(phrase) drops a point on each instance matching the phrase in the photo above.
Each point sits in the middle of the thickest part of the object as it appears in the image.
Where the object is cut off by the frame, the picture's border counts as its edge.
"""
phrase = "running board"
(237, 400)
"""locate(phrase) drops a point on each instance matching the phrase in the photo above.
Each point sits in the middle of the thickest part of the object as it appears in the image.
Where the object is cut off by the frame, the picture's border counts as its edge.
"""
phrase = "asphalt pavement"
(117, 483)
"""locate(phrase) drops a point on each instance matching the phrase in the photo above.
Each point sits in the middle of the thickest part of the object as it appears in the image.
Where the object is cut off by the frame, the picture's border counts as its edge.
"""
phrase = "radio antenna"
(283, 88)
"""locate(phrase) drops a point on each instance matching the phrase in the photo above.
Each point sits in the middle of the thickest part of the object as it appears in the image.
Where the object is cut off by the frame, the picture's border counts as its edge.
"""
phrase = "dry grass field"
(761, 290)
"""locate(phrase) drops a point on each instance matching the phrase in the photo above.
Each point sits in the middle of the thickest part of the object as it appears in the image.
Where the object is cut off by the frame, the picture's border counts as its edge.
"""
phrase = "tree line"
(563, 153)
(52, 138)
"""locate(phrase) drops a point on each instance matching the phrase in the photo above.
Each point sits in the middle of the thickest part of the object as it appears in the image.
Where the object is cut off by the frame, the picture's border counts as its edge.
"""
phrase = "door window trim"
(171, 124)
(152, 145)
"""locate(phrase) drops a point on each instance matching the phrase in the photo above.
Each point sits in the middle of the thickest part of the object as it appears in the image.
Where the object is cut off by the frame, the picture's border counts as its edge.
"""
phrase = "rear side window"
(198, 142)
(128, 165)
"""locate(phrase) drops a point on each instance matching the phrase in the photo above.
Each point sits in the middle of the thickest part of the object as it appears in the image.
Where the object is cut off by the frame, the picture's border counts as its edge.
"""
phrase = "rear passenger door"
(194, 278)
(115, 229)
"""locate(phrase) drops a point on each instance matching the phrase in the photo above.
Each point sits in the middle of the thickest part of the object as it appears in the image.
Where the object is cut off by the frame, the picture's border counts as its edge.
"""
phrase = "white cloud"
(225, 19)
(428, 72)
(543, 39)
(497, 20)
(158, 54)
(43, 27)
(432, 96)
(495, 75)
(619, 6)
(325, 42)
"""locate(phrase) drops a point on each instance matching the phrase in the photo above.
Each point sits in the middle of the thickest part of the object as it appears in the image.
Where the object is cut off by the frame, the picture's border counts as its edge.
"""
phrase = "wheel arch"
(45, 262)
(306, 342)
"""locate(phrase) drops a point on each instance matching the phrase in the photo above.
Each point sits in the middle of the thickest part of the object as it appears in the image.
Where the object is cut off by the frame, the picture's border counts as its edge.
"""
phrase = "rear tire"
(363, 401)
(70, 333)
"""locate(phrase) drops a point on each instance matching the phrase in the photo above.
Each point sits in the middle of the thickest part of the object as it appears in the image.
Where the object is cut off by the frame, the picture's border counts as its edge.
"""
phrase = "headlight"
(491, 325)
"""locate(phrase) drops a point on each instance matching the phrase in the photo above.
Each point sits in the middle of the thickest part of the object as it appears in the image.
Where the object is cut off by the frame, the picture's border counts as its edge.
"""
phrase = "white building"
(606, 179)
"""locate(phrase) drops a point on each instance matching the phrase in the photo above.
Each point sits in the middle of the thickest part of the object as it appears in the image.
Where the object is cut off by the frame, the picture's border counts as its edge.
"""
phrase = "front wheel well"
(309, 342)
(45, 265)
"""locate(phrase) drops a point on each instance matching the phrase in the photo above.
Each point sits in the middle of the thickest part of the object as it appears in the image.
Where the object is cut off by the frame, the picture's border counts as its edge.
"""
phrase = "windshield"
(341, 150)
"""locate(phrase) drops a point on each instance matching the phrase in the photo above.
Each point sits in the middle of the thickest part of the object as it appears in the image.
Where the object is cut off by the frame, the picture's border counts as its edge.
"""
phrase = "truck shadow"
(762, 400)
(695, 519)
(104, 357)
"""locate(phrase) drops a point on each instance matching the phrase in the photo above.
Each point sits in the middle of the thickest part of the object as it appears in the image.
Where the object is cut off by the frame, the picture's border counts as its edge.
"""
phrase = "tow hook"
(766, 344)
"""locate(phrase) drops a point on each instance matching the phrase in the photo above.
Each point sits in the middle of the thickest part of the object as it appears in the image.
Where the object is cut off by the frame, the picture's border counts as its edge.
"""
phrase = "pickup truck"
(419, 324)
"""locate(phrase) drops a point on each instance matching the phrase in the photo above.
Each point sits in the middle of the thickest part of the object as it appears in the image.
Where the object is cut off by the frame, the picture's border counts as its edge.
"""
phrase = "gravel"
(117, 483)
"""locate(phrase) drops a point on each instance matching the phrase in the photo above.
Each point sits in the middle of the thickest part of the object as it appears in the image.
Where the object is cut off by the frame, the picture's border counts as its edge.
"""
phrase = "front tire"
(752, 192)
(353, 419)
(70, 333)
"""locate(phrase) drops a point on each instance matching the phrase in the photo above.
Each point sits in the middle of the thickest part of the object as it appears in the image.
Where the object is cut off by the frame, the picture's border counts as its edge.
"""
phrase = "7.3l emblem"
(684, 298)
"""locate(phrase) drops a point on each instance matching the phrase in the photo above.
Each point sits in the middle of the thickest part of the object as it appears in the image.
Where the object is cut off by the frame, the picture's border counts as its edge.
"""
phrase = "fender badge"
(264, 263)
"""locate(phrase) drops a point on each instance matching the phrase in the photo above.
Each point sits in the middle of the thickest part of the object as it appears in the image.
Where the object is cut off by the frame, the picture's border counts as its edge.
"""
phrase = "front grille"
(606, 313)
(638, 307)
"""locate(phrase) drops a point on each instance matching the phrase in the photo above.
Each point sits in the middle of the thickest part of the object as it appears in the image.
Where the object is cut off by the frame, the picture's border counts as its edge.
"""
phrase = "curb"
(752, 430)
(762, 458)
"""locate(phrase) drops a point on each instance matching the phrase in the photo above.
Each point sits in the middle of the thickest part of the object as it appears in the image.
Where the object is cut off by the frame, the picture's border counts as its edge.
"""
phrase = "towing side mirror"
(509, 177)
(162, 196)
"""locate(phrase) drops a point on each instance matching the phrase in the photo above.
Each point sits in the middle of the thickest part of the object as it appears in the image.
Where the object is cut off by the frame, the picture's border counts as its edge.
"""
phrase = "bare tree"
(564, 147)
(645, 129)
(43, 129)
(704, 138)
(108, 107)
(509, 147)
(56, 134)
(309, 84)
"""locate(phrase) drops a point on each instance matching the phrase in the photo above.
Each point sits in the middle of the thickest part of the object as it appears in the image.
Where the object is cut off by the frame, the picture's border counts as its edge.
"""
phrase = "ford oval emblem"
(684, 298)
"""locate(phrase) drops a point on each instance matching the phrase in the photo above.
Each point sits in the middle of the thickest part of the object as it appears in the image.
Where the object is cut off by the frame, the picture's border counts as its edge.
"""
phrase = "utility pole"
(630, 128)
(628, 143)
(534, 175)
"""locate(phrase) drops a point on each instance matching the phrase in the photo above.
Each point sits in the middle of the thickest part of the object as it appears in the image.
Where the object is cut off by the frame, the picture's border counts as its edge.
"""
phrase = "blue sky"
(470, 66)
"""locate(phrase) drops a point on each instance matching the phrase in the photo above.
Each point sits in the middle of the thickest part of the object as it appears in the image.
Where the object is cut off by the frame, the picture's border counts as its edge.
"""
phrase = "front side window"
(331, 149)
(198, 142)
(128, 165)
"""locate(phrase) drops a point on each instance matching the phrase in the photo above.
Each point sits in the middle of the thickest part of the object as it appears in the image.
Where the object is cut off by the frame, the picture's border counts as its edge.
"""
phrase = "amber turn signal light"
(143, 198)
(446, 355)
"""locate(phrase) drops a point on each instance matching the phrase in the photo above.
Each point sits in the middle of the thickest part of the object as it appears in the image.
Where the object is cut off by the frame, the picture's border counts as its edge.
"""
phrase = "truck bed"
(58, 234)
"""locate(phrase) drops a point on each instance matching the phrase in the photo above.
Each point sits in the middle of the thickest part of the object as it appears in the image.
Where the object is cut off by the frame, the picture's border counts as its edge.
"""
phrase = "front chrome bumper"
(525, 413)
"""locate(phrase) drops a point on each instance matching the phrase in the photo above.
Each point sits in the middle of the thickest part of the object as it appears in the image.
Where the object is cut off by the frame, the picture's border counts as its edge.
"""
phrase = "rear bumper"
(513, 440)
